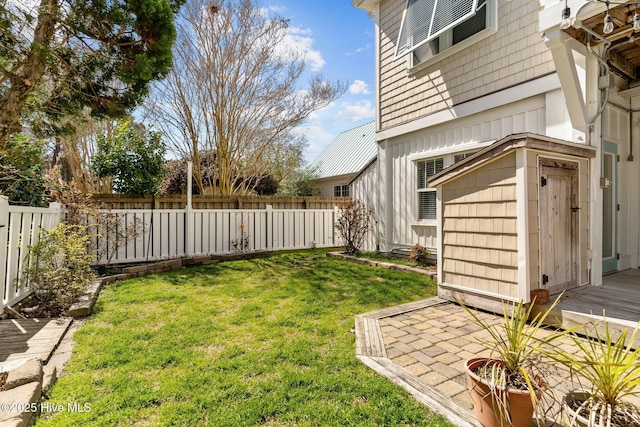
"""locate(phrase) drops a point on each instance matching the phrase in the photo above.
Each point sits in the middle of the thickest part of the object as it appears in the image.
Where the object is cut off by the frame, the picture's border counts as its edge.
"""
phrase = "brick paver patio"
(422, 346)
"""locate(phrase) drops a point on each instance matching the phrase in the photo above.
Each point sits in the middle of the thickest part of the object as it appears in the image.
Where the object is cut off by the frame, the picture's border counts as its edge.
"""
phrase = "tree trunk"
(24, 81)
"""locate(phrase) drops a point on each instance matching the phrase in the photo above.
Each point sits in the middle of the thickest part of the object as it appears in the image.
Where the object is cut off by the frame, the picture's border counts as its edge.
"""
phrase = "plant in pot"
(611, 366)
(507, 385)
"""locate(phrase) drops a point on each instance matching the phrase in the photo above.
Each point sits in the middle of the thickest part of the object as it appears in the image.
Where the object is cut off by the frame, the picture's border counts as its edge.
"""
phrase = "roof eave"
(508, 143)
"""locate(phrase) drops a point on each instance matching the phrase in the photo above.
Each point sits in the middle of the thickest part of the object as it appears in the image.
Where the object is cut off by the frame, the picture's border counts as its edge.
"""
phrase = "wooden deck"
(30, 338)
(618, 298)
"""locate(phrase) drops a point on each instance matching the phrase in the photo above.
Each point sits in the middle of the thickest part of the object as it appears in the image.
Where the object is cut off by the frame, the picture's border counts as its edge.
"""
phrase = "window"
(341, 191)
(460, 157)
(431, 27)
(424, 20)
(426, 195)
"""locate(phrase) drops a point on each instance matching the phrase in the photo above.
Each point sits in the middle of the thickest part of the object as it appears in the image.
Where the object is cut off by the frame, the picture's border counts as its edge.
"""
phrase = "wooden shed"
(514, 217)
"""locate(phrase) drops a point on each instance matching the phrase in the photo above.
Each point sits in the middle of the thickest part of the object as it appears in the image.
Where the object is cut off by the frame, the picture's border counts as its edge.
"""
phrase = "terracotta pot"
(487, 404)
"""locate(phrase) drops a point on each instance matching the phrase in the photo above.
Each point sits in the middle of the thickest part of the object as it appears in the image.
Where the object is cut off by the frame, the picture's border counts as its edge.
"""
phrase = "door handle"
(575, 209)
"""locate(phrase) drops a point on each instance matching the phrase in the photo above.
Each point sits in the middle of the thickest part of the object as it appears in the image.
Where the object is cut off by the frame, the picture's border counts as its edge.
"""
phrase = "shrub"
(353, 224)
(419, 254)
(58, 268)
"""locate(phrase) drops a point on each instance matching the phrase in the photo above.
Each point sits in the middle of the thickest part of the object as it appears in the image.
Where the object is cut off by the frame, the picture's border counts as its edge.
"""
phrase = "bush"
(58, 268)
(353, 224)
(419, 254)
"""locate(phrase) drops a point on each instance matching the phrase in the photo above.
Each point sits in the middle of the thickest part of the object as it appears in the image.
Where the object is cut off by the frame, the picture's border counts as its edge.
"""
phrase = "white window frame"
(430, 19)
(341, 190)
(447, 160)
(446, 49)
(426, 188)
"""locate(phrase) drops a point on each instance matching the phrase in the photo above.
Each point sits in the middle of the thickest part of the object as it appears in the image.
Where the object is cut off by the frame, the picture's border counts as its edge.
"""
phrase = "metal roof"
(349, 153)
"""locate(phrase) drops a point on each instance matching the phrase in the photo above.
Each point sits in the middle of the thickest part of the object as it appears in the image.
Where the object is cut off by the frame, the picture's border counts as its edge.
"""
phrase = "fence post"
(269, 228)
(336, 212)
(4, 236)
(189, 223)
(56, 218)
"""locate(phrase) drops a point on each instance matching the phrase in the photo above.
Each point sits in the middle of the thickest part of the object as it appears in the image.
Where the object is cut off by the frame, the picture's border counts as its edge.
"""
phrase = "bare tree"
(233, 91)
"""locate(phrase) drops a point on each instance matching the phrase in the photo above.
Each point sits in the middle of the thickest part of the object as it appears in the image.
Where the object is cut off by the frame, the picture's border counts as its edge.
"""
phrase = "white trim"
(497, 99)
(440, 239)
(428, 222)
(477, 291)
(469, 146)
(522, 224)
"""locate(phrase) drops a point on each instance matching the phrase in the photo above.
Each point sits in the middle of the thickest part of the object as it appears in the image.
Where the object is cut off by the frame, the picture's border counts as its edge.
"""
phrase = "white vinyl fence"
(174, 233)
(19, 228)
(163, 234)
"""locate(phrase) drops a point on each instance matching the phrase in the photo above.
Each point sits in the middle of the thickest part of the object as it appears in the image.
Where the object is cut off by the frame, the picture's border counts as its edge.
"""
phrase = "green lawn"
(260, 342)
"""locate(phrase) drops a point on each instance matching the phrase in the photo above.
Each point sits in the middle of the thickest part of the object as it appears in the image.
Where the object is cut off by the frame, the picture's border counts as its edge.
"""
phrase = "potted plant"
(506, 386)
(611, 366)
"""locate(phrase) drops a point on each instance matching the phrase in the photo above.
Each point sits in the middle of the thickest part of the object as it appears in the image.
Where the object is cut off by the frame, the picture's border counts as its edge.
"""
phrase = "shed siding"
(515, 53)
(480, 228)
(534, 218)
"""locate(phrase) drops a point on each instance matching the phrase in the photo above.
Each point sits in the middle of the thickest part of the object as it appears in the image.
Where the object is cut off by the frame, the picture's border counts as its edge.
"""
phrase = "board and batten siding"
(400, 154)
(480, 229)
(365, 187)
(514, 54)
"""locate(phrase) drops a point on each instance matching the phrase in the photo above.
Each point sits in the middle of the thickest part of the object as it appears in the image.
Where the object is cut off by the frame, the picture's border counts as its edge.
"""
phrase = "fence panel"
(20, 228)
(162, 234)
(171, 233)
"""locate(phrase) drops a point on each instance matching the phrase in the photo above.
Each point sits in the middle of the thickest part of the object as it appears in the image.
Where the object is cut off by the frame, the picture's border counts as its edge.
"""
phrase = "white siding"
(365, 188)
(403, 228)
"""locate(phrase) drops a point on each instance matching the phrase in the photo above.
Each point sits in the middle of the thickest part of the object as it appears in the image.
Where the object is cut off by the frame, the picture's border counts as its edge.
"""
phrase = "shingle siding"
(515, 53)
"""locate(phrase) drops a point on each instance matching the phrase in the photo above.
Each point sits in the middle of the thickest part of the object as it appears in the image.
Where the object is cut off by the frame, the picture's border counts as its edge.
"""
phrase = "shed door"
(558, 226)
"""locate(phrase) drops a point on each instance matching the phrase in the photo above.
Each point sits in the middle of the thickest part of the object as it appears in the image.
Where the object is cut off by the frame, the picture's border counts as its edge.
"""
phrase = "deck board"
(30, 338)
(619, 297)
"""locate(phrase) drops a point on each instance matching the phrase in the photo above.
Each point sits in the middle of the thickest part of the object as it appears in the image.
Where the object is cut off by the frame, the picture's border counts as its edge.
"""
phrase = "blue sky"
(339, 43)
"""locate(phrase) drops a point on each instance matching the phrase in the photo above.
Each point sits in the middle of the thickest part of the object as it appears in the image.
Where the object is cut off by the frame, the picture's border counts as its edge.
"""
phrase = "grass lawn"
(260, 342)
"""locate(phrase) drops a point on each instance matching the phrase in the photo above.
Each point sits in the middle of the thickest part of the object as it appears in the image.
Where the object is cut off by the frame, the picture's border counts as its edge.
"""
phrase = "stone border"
(371, 351)
(387, 265)
(20, 399)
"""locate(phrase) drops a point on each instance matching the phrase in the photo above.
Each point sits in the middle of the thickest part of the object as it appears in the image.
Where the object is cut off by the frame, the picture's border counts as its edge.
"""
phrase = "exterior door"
(610, 208)
(558, 225)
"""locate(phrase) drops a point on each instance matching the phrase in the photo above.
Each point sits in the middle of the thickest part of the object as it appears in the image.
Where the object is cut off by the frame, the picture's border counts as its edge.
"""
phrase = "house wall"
(365, 188)
(325, 185)
(616, 130)
(515, 53)
(398, 156)
(480, 229)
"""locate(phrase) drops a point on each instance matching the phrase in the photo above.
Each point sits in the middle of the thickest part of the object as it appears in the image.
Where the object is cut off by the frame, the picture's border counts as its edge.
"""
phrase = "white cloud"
(360, 50)
(359, 87)
(354, 112)
(299, 40)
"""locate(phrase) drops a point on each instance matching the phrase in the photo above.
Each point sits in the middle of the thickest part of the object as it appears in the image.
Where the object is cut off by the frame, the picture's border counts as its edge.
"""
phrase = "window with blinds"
(426, 195)
(425, 20)
(466, 32)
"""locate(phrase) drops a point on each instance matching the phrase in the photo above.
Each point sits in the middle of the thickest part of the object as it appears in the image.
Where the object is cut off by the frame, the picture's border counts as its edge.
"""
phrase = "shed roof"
(349, 153)
(511, 142)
